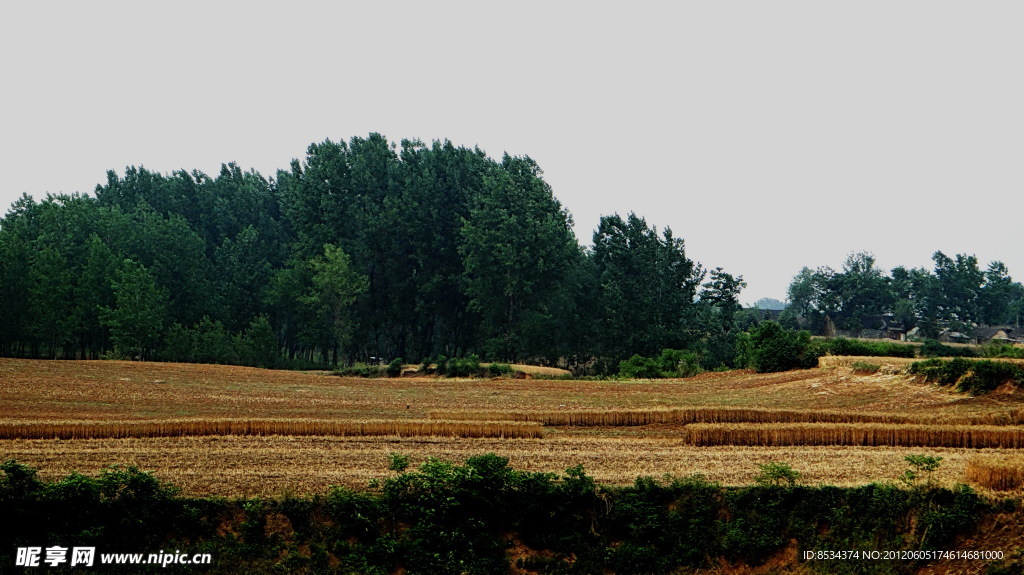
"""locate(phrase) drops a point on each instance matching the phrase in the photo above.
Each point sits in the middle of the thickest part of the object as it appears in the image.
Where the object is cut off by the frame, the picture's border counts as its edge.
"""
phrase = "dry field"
(300, 436)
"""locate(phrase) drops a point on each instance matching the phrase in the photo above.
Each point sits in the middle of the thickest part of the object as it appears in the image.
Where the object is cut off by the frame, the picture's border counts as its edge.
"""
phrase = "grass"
(135, 393)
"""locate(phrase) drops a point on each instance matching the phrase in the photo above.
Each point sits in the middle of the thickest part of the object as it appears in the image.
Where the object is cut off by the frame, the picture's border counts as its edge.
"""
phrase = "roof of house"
(989, 332)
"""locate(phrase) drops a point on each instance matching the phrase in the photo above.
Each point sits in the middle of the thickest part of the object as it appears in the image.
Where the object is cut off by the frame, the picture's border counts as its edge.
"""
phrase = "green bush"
(448, 518)
(460, 366)
(639, 367)
(671, 363)
(775, 348)
(499, 369)
(844, 346)
(865, 368)
(777, 474)
(973, 376)
(996, 349)
(362, 370)
(932, 348)
(394, 368)
(679, 363)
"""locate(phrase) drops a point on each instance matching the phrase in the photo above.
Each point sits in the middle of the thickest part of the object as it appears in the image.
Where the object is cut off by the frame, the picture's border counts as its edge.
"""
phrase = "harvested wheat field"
(230, 430)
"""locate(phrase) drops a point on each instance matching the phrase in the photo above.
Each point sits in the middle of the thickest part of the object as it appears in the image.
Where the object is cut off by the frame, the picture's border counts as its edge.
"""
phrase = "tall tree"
(335, 288)
(136, 322)
(998, 296)
(648, 286)
(723, 294)
(515, 243)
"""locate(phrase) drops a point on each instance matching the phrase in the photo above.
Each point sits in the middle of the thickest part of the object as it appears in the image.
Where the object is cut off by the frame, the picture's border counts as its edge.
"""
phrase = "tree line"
(370, 250)
(956, 296)
(364, 249)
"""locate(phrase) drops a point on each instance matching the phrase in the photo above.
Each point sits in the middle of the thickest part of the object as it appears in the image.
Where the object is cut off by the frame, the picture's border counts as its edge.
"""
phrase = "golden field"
(261, 432)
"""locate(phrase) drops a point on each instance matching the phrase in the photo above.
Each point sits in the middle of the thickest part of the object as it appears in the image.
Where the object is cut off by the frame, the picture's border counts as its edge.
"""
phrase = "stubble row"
(870, 435)
(633, 417)
(300, 427)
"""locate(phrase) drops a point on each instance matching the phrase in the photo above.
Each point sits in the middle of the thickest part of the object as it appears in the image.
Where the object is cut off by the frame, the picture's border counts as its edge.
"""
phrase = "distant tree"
(335, 288)
(138, 318)
(515, 245)
(770, 303)
(50, 291)
(998, 296)
(775, 348)
(862, 290)
(647, 289)
(723, 294)
(961, 282)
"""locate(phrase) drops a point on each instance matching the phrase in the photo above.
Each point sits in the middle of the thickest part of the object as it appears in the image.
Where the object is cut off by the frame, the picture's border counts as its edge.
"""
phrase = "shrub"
(778, 349)
(844, 346)
(460, 366)
(975, 377)
(777, 474)
(394, 368)
(679, 363)
(865, 368)
(995, 349)
(671, 363)
(639, 367)
(932, 348)
(919, 464)
(398, 462)
(362, 370)
(499, 369)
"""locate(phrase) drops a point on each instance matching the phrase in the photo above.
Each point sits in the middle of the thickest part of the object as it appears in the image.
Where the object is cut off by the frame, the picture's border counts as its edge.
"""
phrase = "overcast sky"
(770, 135)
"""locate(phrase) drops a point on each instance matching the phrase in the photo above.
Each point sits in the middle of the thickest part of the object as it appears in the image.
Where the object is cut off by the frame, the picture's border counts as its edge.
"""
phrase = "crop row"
(305, 427)
(998, 473)
(631, 417)
(747, 434)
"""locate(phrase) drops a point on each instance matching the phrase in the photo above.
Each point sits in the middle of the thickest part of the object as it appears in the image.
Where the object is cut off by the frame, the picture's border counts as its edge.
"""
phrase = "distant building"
(998, 334)
(879, 326)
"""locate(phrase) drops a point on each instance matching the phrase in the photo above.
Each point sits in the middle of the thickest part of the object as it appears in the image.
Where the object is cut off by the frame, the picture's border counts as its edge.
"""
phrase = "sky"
(768, 135)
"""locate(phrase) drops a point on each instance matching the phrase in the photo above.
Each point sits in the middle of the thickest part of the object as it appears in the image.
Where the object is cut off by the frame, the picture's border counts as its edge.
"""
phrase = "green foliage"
(774, 348)
(515, 241)
(919, 464)
(394, 368)
(776, 474)
(932, 348)
(865, 368)
(845, 346)
(461, 518)
(459, 366)
(976, 377)
(257, 346)
(638, 367)
(398, 462)
(671, 363)
(996, 349)
(647, 286)
(137, 319)
(499, 369)
(362, 370)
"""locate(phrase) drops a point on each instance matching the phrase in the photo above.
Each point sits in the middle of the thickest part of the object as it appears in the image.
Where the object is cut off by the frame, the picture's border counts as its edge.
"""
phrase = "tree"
(769, 303)
(647, 289)
(50, 292)
(960, 281)
(136, 322)
(335, 288)
(863, 290)
(998, 295)
(723, 293)
(515, 243)
(777, 349)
